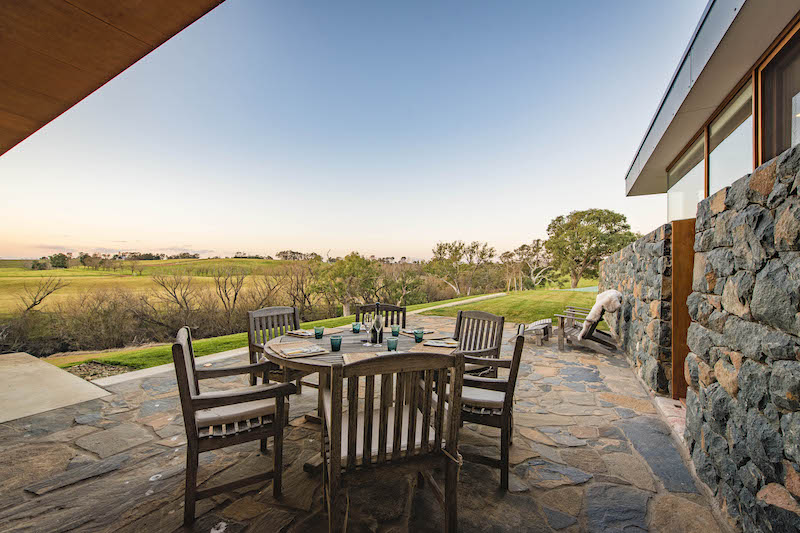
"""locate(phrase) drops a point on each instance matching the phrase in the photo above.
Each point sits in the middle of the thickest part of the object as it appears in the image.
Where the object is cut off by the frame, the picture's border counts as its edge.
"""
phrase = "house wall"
(642, 272)
(743, 419)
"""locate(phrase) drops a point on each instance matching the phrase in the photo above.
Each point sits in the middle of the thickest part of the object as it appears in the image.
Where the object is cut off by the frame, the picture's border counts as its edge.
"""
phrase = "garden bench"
(540, 329)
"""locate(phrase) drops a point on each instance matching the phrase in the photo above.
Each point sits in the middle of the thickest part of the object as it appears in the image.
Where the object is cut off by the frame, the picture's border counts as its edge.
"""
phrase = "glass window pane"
(780, 90)
(731, 142)
(686, 184)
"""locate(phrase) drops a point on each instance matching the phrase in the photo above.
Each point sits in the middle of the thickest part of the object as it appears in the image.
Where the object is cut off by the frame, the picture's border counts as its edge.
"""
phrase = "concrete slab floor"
(29, 386)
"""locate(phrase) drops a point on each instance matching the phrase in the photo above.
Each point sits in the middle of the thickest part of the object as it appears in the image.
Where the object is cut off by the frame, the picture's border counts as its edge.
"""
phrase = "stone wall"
(743, 406)
(642, 272)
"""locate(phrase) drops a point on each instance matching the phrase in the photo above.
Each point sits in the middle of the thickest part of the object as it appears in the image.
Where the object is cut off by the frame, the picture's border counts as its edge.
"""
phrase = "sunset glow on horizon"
(369, 127)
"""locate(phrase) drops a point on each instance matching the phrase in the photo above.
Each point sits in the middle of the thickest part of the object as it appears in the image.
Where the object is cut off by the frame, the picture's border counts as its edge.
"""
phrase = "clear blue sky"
(288, 124)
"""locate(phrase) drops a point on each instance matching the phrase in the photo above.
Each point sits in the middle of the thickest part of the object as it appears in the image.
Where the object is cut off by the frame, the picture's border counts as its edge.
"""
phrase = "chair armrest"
(576, 312)
(207, 373)
(487, 361)
(487, 352)
(572, 317)
(207, 400)
(479, 382)
(257, 348)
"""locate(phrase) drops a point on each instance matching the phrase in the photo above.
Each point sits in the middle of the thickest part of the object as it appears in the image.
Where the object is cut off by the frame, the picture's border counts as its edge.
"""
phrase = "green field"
(525, 306)
(14, 277)
(161, 354)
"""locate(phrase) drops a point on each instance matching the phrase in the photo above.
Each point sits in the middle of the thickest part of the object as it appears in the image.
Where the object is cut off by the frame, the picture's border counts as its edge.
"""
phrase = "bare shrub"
(33, 296)
(228, 283)
(266, 288)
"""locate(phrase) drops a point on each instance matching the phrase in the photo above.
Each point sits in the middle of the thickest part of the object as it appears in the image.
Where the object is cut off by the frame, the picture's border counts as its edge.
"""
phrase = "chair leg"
(505, 435)
(263, 446)
(192, 460)
(277, 459)
(299, 384)
(450, 497)
(252, 377)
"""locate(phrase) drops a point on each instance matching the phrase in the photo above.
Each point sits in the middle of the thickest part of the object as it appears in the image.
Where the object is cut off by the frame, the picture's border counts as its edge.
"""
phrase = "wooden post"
(682, 270)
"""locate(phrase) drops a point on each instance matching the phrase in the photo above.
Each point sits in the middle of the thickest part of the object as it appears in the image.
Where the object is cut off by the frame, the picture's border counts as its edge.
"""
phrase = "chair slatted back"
(188, 385)
(392, 314)
(271, 322)
(478, 330)
(593, 325)
(409, 392)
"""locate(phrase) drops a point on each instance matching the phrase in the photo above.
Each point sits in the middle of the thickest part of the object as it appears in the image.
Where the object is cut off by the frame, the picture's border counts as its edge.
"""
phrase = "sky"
(348, 126)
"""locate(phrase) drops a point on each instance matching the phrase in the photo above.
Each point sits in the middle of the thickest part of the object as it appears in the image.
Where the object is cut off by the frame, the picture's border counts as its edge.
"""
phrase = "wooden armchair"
(490, 401)
(392, 314)
(266, 324)
(407, 425)
(570, 325)
(216, 420)
(479, 334)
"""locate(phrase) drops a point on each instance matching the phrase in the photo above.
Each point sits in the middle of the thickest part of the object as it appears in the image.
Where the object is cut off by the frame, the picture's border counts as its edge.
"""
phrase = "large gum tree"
(578, 241)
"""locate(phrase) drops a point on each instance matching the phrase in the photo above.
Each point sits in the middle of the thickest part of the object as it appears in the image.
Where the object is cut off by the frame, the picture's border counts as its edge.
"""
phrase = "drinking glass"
(356, 327)
(418, 334)
(336, 343)
(391, 342)
(395, 330)
(318, 331)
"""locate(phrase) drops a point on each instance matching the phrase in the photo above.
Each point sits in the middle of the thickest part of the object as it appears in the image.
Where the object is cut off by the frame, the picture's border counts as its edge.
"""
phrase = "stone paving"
(590, 453)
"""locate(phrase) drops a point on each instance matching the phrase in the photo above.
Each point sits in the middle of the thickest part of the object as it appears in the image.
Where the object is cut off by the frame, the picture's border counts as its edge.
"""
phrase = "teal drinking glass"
(395, 330)
(336, 343)
(391, 342)
(356, 327)
(318, 331)
(418, 334)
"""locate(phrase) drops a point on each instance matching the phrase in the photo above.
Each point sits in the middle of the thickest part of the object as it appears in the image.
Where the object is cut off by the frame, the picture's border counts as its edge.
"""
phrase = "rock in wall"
(743, 405)
(642, 272)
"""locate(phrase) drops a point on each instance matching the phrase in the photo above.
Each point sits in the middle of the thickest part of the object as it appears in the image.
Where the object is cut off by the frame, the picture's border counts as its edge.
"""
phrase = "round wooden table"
(352, 343)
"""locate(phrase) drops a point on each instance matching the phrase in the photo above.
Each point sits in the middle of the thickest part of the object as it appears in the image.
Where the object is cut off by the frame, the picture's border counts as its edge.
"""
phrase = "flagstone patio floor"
(591, 453)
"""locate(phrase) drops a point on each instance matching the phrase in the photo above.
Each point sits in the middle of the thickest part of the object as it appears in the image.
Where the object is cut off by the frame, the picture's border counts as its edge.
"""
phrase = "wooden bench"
(541, 330)
(570, 325)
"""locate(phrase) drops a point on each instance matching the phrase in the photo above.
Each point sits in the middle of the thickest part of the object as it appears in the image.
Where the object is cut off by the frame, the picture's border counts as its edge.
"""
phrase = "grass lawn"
(525, 306)
(162, 354)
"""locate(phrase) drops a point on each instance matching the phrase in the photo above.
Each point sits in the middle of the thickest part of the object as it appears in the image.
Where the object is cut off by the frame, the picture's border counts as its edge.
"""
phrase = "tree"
(447, 263)
(536, 259)
(578, 241)
(402, 283)
(509, 263)
(40, 264)
(477, 255)
(59, 260)
(352, 280)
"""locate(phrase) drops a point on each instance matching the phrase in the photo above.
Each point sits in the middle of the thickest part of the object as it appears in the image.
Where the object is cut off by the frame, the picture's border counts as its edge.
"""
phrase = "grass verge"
(525, 306)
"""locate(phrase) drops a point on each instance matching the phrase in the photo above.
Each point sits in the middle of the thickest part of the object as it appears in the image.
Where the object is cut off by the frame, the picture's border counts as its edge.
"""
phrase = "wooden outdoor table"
(352, 343)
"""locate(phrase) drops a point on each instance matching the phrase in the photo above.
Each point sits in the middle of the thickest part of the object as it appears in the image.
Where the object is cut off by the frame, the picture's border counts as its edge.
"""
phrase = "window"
(686, 183)
(780, 100)
(731, 142)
